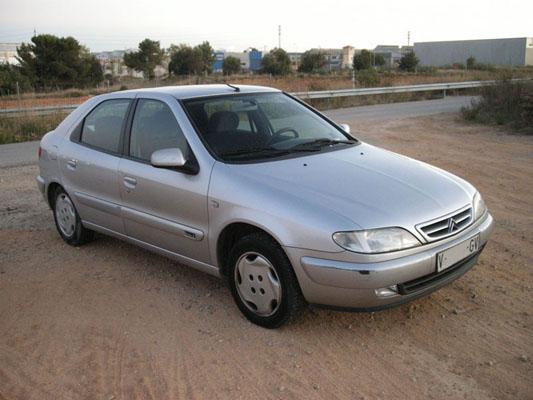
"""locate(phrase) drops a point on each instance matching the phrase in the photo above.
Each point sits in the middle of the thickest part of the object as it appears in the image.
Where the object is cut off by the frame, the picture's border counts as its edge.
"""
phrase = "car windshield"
(251, 127)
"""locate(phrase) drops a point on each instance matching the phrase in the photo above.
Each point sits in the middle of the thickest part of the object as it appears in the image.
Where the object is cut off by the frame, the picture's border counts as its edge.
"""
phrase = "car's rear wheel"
(263, 282)
(68, 222)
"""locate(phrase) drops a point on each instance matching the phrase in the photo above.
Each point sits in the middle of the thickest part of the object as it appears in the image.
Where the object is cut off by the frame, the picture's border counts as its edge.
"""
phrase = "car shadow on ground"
(194, 288)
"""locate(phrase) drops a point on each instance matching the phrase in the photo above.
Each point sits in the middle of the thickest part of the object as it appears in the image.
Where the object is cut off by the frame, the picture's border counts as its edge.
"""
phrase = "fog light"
(387, 291)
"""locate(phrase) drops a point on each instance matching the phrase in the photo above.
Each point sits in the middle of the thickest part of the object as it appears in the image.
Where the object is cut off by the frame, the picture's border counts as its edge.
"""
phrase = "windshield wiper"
(321, 143)
(263, 151)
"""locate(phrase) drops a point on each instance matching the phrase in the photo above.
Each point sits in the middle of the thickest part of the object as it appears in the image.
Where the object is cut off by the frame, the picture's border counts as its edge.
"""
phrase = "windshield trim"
(183, 104)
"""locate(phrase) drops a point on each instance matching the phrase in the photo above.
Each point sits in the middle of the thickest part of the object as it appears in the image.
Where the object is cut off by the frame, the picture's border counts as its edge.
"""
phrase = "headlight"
(479, 206)
(376, 240)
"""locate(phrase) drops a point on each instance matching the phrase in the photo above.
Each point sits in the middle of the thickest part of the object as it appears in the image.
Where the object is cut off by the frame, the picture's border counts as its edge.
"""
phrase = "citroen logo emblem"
(452, 225)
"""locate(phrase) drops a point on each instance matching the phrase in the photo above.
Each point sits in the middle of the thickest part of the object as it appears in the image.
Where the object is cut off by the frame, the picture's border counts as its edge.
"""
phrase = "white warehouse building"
(512, 52)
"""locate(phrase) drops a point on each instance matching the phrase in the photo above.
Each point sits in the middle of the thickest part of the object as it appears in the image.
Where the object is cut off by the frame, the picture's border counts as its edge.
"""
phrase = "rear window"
(103, 125)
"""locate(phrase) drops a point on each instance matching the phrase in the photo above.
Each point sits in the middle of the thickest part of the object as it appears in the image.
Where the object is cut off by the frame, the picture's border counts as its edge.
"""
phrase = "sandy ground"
(111, 321)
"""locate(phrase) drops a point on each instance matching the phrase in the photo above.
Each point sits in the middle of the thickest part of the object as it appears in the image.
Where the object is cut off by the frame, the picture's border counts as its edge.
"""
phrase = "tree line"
(49, 62)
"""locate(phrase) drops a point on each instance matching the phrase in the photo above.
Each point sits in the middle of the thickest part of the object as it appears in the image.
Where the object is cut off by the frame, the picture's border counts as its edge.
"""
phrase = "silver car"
(252, 185)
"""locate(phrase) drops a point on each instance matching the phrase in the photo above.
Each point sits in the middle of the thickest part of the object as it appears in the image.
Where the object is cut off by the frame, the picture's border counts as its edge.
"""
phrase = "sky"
(237, 25)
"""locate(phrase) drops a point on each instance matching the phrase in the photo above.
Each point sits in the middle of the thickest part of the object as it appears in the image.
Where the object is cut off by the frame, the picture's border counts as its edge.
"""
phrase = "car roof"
(191, 91)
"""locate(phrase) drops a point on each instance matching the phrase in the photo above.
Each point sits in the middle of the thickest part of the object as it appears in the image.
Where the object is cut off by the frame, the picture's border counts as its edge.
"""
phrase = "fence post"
(18, 94)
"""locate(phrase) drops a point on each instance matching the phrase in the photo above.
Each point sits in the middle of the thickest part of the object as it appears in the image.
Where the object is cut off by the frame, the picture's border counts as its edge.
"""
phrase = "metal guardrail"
(392, 89)
(43, 110)
(314, 95)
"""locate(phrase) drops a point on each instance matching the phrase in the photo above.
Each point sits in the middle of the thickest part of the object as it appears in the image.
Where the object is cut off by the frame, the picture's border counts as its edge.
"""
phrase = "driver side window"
(154, 128)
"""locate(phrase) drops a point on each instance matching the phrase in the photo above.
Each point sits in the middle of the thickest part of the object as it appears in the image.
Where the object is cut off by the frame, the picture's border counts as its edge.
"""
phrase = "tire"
(67, 219)
(263, 282)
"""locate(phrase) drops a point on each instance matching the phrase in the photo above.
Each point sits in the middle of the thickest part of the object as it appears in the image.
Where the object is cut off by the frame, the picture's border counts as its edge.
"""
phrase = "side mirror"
(345, 127)
(174, 158)
(168, 158)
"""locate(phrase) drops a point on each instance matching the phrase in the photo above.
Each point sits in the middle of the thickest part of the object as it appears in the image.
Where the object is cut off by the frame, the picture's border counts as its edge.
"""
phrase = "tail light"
(39, 152)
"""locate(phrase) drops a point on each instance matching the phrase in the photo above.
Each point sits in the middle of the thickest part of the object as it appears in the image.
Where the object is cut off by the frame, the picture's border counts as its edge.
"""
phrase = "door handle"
(72, 163)
(129, 183)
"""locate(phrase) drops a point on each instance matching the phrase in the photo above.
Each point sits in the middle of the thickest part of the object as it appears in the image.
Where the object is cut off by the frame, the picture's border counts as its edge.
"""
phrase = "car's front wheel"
(68, 222)
(263, 282)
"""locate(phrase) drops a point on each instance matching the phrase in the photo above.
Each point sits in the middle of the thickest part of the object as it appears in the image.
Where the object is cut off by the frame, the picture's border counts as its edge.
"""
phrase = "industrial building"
(296, 60)
(392, 54)
(8, 53)
(511, 52)
(333, 57)
(348, 52)
(250, 59)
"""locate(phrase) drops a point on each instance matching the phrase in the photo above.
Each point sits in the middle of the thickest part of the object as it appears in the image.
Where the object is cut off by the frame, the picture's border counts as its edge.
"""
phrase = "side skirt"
(207, 268)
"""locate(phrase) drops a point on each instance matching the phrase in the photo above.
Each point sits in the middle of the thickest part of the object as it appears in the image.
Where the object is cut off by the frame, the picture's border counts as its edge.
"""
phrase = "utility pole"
(408, 38)
(279, 36)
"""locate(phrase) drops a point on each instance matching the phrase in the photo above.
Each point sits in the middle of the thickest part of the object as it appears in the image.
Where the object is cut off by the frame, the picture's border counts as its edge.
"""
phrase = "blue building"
(250, 60)
(255, 60)
(219, 61)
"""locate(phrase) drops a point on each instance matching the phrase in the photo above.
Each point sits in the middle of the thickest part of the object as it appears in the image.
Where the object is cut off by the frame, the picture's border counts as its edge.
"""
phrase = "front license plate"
(449, 257)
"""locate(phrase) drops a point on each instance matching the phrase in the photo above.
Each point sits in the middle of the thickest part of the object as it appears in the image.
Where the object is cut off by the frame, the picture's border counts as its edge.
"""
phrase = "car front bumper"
(370, 282)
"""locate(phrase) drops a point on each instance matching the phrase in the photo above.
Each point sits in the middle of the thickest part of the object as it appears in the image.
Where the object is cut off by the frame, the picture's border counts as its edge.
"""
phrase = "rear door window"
(103, 126)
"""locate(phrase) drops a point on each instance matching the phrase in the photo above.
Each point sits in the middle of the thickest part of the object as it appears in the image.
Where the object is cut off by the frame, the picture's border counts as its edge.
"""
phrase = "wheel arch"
(50, 191)
(229, 235)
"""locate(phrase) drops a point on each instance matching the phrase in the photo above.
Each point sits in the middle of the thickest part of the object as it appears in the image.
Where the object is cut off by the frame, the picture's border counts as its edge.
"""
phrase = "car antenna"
(233, 87)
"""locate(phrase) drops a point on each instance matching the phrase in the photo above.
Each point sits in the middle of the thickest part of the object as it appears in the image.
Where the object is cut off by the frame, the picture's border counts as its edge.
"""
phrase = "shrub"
(276, 62)
(231, 65)
(368, 77)
(506, 103)
(363, 60)
(313, 62)
(408, 62)
(9, 77)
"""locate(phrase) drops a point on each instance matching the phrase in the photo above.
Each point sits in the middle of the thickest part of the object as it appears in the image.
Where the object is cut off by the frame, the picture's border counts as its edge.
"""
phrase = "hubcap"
(258, 284)
(65, 215)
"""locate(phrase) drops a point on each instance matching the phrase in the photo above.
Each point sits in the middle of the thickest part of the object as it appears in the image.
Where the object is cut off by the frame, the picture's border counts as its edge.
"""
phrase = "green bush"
(276, 62)
(313, 62)
(9, 77)
(368, 77)
(506, 103)
(231, 65)
(408, 62)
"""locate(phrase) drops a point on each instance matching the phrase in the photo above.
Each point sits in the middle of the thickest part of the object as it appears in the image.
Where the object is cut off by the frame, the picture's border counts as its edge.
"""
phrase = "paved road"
(400, 110)
(18, 154)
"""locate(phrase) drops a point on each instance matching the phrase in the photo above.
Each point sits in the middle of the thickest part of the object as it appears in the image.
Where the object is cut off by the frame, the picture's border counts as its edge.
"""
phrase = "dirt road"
(111, 321)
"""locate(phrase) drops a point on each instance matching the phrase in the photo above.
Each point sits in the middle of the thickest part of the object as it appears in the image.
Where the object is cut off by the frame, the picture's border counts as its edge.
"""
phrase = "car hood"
(370, 186)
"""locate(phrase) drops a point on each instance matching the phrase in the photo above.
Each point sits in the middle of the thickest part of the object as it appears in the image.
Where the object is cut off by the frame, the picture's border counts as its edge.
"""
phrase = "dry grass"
(32, 127)
(27, 127)
(293, 83)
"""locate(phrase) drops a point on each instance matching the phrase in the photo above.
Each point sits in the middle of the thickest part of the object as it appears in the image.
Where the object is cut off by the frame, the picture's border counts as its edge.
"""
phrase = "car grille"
(447, 226)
